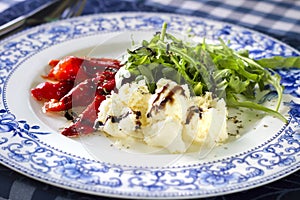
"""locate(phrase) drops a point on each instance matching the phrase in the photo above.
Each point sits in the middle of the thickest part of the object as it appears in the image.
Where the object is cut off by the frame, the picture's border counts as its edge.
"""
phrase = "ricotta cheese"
(170, 118)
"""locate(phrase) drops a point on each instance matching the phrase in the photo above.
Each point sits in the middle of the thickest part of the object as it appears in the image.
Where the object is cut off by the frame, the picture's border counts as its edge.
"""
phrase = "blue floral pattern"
(290, 81)
(21, 148)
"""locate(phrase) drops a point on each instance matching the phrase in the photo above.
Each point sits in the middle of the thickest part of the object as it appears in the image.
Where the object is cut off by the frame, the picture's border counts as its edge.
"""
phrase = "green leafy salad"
(214, 68)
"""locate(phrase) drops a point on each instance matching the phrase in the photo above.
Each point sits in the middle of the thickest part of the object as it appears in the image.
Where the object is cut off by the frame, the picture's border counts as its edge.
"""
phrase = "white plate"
(30, 142)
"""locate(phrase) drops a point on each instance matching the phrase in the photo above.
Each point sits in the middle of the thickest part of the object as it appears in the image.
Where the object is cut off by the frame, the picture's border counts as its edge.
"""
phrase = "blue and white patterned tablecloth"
(277, 18)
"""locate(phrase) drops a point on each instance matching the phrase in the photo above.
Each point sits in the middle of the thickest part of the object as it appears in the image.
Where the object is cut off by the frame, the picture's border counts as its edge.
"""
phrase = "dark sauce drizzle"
(168, 99)
(191, 111)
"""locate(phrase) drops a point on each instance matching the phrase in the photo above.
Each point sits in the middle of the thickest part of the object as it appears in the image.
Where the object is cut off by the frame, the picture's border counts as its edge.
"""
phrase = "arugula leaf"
(280, 62)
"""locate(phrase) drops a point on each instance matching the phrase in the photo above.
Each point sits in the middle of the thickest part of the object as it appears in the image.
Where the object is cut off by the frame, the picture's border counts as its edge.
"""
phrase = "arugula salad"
(215, 68)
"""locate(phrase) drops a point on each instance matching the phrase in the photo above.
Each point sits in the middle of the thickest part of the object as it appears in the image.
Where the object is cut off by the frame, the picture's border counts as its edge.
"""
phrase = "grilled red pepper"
(84, 124)
(48, 90)
(74, 68)
(66, 69)
(53, 62)
(99, 65)
(79, 82)
(81, 95)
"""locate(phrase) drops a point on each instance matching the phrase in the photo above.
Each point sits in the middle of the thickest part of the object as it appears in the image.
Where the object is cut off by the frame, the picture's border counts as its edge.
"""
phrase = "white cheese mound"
(171, 118)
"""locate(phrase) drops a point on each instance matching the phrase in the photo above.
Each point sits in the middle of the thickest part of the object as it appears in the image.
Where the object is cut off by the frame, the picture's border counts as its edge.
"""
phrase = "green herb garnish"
(205, 67)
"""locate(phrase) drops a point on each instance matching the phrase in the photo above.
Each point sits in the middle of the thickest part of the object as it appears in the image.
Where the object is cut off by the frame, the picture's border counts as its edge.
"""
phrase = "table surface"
(277, 18)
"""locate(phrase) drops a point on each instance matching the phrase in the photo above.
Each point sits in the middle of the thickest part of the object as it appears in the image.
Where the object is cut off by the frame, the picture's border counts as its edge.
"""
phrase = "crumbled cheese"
(170, 118)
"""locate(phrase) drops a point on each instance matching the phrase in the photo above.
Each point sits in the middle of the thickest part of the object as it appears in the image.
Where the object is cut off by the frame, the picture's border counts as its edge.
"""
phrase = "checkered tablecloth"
(277, 18)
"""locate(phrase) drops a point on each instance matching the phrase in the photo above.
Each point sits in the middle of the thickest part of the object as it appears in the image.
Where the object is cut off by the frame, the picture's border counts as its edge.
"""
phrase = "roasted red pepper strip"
(47, 90)
(66, 69)
(71, 68)
(84, 124)
(53, 62)
(106, 87)
(98, 65)
(93, 66)
(81, 95)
